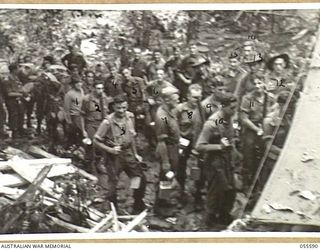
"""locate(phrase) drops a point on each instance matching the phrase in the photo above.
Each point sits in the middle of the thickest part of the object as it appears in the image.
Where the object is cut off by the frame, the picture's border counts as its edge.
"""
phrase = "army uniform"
(14, 90)
(191, 120)
(94, 109)
(252, 145)
(111, 133)
(219, 169)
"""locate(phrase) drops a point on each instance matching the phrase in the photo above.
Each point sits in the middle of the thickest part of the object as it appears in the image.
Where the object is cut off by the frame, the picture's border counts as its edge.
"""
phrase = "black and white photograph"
(162, 120)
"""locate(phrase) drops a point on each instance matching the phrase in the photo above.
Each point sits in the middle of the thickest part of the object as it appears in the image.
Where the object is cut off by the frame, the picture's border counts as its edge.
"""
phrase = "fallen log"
(135, 222)
(69, 226)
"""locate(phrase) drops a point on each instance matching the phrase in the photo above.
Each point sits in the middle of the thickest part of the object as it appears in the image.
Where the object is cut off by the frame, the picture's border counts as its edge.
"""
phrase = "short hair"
(169, 91)
(98, 82)
(227, 98)
(89, 71)
(195, 87)
(120, 98)
(217, 81)
(12, 67)
(50, 59)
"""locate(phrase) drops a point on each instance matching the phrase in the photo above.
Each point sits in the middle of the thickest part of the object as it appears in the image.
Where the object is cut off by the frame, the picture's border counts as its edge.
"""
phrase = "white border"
(167, 6)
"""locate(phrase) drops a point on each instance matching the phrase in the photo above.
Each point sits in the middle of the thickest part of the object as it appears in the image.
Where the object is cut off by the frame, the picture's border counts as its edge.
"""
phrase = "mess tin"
(135, 182)
(165, 189)
(183, 144)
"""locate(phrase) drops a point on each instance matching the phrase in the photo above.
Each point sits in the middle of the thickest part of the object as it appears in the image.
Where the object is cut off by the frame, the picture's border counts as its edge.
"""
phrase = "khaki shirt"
(113, 133)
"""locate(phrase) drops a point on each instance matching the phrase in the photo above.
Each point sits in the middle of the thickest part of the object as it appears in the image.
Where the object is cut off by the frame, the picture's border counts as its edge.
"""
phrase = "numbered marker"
(190, 114)
(219, 121)
(97, 107)
(233, 55)
(77, 101)
(123, 131)
(165, 119)
(209, 106)
(134, 90)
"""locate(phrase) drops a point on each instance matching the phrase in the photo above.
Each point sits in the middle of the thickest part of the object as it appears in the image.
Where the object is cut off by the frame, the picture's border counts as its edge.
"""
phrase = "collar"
(165, 108)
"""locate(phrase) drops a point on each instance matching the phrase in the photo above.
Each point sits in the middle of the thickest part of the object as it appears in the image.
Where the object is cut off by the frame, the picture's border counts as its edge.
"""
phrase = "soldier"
(138, 65)
(89, 80)
(234, 75)
(15, 93)
(94, 110)
(253, 109)
(3, 95)
(74, 58)
(113, 83)
(187, 72)
(72, 107)
(153, 91)
(191, 118)
(279, 77)
(115, 137)
(212, 102)
(216, 142)
(173, 64)
(168, 136)
(157, 63)
(134, 87)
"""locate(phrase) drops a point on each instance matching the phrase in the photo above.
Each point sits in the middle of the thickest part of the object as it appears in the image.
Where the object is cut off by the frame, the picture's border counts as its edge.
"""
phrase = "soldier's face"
(247, 51)
(157, 56)
(113, 71)
(230, 109)
(126, 73)
(90, 78)
(177, 52)
(120, 109)
(194, 97)
(160, 74)
(279, 65)
(219, 91)
(99, 89)
(193, 50)
(78, 85)
(233, 63)
(172, 101)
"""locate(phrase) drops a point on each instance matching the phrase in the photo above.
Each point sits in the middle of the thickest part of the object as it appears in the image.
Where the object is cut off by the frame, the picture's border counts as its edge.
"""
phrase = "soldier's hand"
(225, 142)
(85, 134)
(116, 150)
(138, 157)
(166, 167)
(260, 132)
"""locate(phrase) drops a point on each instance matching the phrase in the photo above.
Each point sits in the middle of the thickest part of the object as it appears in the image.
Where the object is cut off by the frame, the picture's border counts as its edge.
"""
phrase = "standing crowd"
(220, 121)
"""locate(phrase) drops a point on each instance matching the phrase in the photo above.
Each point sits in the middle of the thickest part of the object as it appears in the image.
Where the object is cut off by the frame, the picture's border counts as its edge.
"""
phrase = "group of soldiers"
(184, 108)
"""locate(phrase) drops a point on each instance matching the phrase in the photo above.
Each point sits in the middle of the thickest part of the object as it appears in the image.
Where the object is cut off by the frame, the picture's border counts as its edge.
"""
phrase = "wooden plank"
(28, 174)
(40, 152)
(115, 225)
(135, 222)
(4, 165)
(104, 221)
